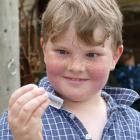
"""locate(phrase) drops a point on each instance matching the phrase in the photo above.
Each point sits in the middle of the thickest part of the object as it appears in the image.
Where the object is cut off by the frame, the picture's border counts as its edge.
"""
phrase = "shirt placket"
(78, 126)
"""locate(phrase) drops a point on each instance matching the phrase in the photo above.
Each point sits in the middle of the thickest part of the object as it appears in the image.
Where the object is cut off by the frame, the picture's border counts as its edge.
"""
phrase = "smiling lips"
(76, 79)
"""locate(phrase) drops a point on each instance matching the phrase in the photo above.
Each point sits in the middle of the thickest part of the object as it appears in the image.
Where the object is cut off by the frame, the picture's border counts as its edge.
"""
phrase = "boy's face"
(76, 70)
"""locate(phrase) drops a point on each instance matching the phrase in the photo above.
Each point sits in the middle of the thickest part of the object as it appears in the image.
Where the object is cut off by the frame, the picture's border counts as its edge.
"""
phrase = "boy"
(82, 42)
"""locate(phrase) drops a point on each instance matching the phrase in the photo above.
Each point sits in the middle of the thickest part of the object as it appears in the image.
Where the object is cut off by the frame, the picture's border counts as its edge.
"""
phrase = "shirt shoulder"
(129, 117)
(130, 113)
(5, 132)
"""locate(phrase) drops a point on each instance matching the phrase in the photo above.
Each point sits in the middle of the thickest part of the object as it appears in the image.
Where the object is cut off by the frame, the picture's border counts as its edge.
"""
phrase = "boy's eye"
(63, 52)
(91, 55)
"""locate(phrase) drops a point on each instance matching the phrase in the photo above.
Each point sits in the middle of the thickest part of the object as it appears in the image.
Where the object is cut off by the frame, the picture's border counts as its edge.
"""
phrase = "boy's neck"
(92, 103)
(92, 111)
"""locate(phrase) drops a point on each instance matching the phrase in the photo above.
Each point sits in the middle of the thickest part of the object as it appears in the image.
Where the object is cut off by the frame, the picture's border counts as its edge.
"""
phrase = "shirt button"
(88, 137)
(72, 116)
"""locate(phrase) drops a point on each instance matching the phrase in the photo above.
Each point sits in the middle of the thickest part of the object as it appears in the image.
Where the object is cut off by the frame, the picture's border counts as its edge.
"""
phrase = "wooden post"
(9, 50)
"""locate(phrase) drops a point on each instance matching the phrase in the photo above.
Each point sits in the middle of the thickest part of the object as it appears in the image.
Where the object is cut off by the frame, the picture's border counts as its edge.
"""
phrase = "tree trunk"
(9, 50)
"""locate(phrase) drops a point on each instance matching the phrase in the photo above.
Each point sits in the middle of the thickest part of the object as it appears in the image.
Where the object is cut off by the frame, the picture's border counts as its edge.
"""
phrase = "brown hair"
(87, 15)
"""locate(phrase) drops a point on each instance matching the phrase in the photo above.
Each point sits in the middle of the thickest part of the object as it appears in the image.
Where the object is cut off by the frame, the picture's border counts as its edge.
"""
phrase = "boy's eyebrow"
(95, 48)
(86, 48)
(59, 45)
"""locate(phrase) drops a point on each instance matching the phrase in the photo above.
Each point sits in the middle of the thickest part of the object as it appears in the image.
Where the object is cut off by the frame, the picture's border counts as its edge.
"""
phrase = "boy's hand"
(26, 106)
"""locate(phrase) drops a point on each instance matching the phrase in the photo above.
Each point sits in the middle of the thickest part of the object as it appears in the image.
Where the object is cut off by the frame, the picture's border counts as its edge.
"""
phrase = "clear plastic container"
(56, 101)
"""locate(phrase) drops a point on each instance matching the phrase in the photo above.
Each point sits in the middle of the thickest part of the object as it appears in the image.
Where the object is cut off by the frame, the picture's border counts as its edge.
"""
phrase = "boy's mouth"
(76, 79)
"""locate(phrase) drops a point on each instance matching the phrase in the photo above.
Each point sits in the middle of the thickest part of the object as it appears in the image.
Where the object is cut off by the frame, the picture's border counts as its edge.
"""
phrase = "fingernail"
(41, 89)
(35, 86)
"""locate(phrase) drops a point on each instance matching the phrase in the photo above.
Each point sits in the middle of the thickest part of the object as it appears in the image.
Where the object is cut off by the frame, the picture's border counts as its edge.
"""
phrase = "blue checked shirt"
(123, 121)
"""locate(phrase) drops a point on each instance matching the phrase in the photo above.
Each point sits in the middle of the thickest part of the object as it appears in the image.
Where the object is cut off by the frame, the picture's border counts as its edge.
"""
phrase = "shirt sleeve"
(5, 132)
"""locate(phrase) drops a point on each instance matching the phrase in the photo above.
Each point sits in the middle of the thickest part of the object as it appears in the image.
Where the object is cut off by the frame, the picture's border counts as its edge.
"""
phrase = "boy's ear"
(116, 56)
(42, 44)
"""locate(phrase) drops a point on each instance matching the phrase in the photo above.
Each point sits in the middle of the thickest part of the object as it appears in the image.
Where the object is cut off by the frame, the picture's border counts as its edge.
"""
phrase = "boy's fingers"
(19, 92)
(28, 109)
(39, 111)
(24, 99)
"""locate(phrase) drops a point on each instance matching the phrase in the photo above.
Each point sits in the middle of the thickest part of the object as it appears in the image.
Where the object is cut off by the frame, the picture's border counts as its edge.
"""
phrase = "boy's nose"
(76, 65)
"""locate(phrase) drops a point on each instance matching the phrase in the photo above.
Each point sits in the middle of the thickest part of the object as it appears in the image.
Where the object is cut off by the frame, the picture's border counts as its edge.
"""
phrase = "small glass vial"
(56, 101)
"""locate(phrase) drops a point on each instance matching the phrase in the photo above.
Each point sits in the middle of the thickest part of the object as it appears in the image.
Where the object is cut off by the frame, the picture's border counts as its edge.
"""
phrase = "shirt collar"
(122, 96)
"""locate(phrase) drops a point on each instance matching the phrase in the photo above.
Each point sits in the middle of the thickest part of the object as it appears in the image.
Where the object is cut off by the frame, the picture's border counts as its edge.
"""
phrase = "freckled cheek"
(99, 73)
(54, 66)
